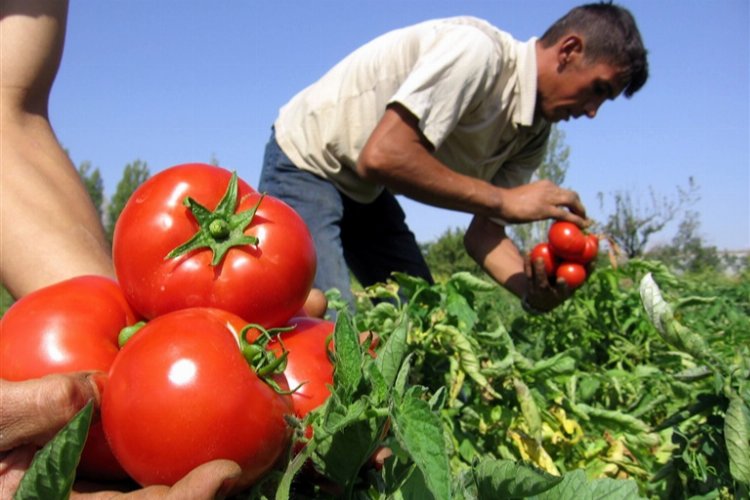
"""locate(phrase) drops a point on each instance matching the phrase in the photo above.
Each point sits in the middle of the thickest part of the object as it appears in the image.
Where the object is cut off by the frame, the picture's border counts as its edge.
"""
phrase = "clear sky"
(169, 82)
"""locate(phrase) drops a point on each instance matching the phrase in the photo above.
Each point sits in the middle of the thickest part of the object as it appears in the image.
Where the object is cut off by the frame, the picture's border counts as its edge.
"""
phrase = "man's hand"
(33, 411)
(542, 295)
(542, 200)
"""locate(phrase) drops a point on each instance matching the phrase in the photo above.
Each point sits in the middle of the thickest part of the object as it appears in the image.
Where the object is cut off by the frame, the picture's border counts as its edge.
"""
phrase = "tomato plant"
(67, 327)
(566, 240)
(573, 273)
(180, 393)
(252, 255)
(543, 251)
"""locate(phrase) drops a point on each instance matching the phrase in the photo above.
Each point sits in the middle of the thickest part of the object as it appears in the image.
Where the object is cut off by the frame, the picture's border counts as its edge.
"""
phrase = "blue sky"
(168, 82)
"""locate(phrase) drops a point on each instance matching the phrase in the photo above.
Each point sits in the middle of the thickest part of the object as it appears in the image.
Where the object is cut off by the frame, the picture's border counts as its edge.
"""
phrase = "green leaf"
(53, 470)
(624, 422)
(467, 281)
(391, 356)
(737, 436)
(399, 386)
(347, 372)
(563, 363)
(345, 441)
(508, 479)
(420, 433)
(575, 486)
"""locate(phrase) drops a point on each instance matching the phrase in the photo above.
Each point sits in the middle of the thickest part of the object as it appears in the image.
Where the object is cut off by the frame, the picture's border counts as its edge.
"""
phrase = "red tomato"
(67, 327)
(180, 394)
(307, 362)
(590, 250)
(543, 251)
(573, 273)
(264, 280)
(566, 240)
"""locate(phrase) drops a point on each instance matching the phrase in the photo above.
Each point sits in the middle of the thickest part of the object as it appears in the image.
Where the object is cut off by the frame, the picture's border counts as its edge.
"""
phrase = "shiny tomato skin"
(265, 283)
(573, 273)
(543, 251)
(566, 240)
(590, 250)
(180, 394)
(68, 327)
(307, 362)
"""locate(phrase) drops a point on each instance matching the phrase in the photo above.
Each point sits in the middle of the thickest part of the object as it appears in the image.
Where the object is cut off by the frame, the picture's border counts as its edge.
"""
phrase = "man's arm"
(398, 156)
(49, 228)
(488, 244)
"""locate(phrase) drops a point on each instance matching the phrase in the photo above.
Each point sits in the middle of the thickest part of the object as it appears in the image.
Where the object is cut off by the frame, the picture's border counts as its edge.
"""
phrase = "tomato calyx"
(128, 332)
(221, 229)
(262, 360)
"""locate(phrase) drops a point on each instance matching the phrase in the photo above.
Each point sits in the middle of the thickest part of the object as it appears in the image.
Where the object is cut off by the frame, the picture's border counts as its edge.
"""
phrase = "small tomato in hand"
(543, 251)
(181, 393)
(68, 327)
(566, 240)
(573, 273)
(590, 250)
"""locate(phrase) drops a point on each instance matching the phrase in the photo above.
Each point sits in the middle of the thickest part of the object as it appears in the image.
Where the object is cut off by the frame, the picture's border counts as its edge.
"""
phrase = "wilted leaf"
(737, 436)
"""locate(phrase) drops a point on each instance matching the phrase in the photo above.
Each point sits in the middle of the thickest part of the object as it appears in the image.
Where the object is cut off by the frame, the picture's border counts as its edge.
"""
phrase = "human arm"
(33, 411)
(51, 230)
(488, 244)
(398, 156)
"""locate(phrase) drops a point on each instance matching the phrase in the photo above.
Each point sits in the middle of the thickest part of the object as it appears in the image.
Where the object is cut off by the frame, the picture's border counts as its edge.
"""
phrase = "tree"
(447, 255)
(94, 183)
(630, 225)
(688, 253)
(133, 176)
(554, 167)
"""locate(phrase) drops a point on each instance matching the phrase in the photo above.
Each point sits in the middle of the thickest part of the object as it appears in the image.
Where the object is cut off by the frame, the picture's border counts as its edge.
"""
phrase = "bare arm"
(398, 156)
(49, 228)
(488, 244)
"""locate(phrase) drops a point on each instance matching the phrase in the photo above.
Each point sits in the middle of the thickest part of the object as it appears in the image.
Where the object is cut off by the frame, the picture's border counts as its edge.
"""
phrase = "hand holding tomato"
(70, 326)
(557, 267)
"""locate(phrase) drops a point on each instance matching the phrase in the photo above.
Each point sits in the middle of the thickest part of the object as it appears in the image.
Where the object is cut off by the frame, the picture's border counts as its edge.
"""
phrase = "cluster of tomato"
(567, 253)
(193, 373)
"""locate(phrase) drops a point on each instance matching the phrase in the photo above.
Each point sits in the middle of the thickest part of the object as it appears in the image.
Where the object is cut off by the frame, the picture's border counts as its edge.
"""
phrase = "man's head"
(591, 54)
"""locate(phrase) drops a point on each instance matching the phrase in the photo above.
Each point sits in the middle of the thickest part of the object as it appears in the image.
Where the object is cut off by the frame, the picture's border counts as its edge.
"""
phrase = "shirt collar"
(527, 72)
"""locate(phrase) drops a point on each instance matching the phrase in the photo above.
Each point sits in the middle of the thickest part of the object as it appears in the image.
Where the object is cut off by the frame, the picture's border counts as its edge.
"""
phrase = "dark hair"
(611, 36)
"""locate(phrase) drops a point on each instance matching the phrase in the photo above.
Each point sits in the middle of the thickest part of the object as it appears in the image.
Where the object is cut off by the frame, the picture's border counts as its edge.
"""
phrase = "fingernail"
(100, 381)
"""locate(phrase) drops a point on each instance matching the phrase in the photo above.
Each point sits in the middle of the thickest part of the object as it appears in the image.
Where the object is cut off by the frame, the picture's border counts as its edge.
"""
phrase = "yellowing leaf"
(533, 451)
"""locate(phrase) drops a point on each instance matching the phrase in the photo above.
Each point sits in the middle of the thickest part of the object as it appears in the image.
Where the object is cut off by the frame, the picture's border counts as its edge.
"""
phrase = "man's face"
(577, 89)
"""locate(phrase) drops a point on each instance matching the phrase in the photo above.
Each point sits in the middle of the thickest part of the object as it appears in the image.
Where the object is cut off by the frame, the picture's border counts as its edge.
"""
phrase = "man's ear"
(570, 47)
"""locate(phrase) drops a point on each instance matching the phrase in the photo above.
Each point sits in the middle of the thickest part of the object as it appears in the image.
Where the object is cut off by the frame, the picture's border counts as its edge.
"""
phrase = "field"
(635, 388)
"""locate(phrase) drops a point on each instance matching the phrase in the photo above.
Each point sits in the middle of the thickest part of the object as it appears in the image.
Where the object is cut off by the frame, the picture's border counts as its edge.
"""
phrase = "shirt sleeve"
(519, 169)
(449, 71)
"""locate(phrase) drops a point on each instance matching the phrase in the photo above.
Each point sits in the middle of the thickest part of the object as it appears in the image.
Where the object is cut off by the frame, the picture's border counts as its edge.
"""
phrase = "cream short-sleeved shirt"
(472, 87)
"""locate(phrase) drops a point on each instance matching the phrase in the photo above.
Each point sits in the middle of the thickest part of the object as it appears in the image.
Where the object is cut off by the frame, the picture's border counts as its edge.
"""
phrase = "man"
(453, 113)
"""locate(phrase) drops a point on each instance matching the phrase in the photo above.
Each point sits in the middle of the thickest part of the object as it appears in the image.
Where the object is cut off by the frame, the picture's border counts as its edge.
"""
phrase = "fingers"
(34, 410)
(13, 465)
(213, 479)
